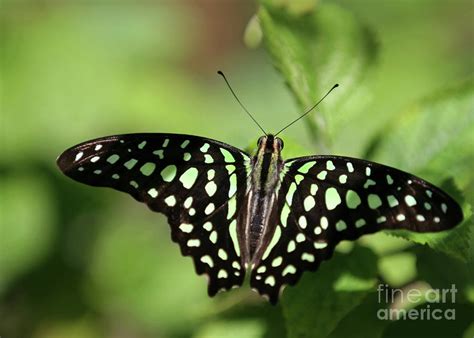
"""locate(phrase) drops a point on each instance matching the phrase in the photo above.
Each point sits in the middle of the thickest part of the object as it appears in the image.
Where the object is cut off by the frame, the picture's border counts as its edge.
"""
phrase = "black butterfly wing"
(190, 179)
(325, 199)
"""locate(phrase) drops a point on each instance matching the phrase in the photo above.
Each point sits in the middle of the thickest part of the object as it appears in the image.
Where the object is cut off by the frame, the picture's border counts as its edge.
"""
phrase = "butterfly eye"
(280, 143)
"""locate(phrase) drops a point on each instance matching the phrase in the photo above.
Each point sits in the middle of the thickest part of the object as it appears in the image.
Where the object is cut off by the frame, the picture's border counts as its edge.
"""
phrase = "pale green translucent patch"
(208, 260)
(170, 201)
(284, 214)
(233, 236)
(165, 143)
(95, 159)
(80, 168)
(306, 167)
(410, 200)
(368, 183)
(130, 163)
(148, 168)
(317, 230)
(324, 222)
(367, 171)
(187, 202)
(231, 207)
(291, 246)
(276, 237)
(298, 179)
(313, 189)
(352, 199)
(277, 261)
(186, 157)
(193, 243)
(208, 159)
(142, 145)
(213, 237)
(115, 176)
(429, 193)
(134, 184)
(159, 153)
(389, 179)
(210, 209)
(444, 208)
(420, 218)
(112, 159)
(290, 193)
(207, 226)
(97, 172)
(169, 173)
(262, 269)
(233, 185)
(228, 157)
(350, 167)
(210, 188)
(360, 223)
(309, 203)
(205, 147)
(374, 201)
(332, 198)
(184, 144)
(381, 219)
(222, 274)
(188, 178)
(230, 168)
(341, 225)
(222, 254)
(392, 201)
(289, 269)
(427, 206)
(300, 237)
(322, 175)
(270, 280)
(186, 227)
(330, 165)
(153, 192)
(400, 217)
(307, 257)
(236, 265)
(320, 245)
(211, 173)
(302, 222)
(343, 179)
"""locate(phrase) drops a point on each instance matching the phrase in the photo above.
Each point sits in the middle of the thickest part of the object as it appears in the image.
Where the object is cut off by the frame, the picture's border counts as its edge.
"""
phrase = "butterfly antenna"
(310, 109)
(233, 93)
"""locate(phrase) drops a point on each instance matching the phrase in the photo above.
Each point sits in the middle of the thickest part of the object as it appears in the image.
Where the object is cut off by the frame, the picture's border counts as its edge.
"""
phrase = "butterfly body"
(234, 213)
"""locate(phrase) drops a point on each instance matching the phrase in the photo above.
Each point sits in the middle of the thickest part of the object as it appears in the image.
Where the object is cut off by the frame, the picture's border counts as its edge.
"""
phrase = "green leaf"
(26, 225)
(315, 51)
(435, 139)
(321, 300)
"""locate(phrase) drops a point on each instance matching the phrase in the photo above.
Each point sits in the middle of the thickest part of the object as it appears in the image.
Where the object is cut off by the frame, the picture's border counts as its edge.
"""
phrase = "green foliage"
(315, 51)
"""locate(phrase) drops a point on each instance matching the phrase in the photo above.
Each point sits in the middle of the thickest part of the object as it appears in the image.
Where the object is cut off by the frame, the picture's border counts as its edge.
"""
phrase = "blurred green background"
(77, 261)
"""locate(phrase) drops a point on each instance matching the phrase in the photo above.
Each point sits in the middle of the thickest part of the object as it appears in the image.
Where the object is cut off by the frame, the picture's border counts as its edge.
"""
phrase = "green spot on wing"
(148, 168)
(228, 157)
(169, 173)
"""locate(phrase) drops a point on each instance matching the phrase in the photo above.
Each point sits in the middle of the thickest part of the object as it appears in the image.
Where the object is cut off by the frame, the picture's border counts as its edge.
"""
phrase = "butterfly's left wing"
(198, 183)
(325, 199)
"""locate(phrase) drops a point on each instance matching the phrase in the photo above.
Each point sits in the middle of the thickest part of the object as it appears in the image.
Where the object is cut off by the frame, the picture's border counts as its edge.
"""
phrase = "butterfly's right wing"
(326, 199)
(198, 183)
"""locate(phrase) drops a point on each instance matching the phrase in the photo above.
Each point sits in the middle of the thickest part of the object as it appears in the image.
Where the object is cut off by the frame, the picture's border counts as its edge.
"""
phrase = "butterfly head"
(269, 144)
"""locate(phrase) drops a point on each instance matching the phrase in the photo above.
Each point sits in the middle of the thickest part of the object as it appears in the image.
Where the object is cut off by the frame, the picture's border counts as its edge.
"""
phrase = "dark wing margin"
(198, 183)
(326, 199)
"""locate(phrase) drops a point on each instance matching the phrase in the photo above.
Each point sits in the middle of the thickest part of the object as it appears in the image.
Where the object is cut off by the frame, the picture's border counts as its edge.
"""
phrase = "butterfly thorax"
(260, 200)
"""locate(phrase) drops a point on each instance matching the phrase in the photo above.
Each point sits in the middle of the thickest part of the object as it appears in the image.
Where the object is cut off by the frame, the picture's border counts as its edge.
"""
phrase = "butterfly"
(236, 213)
